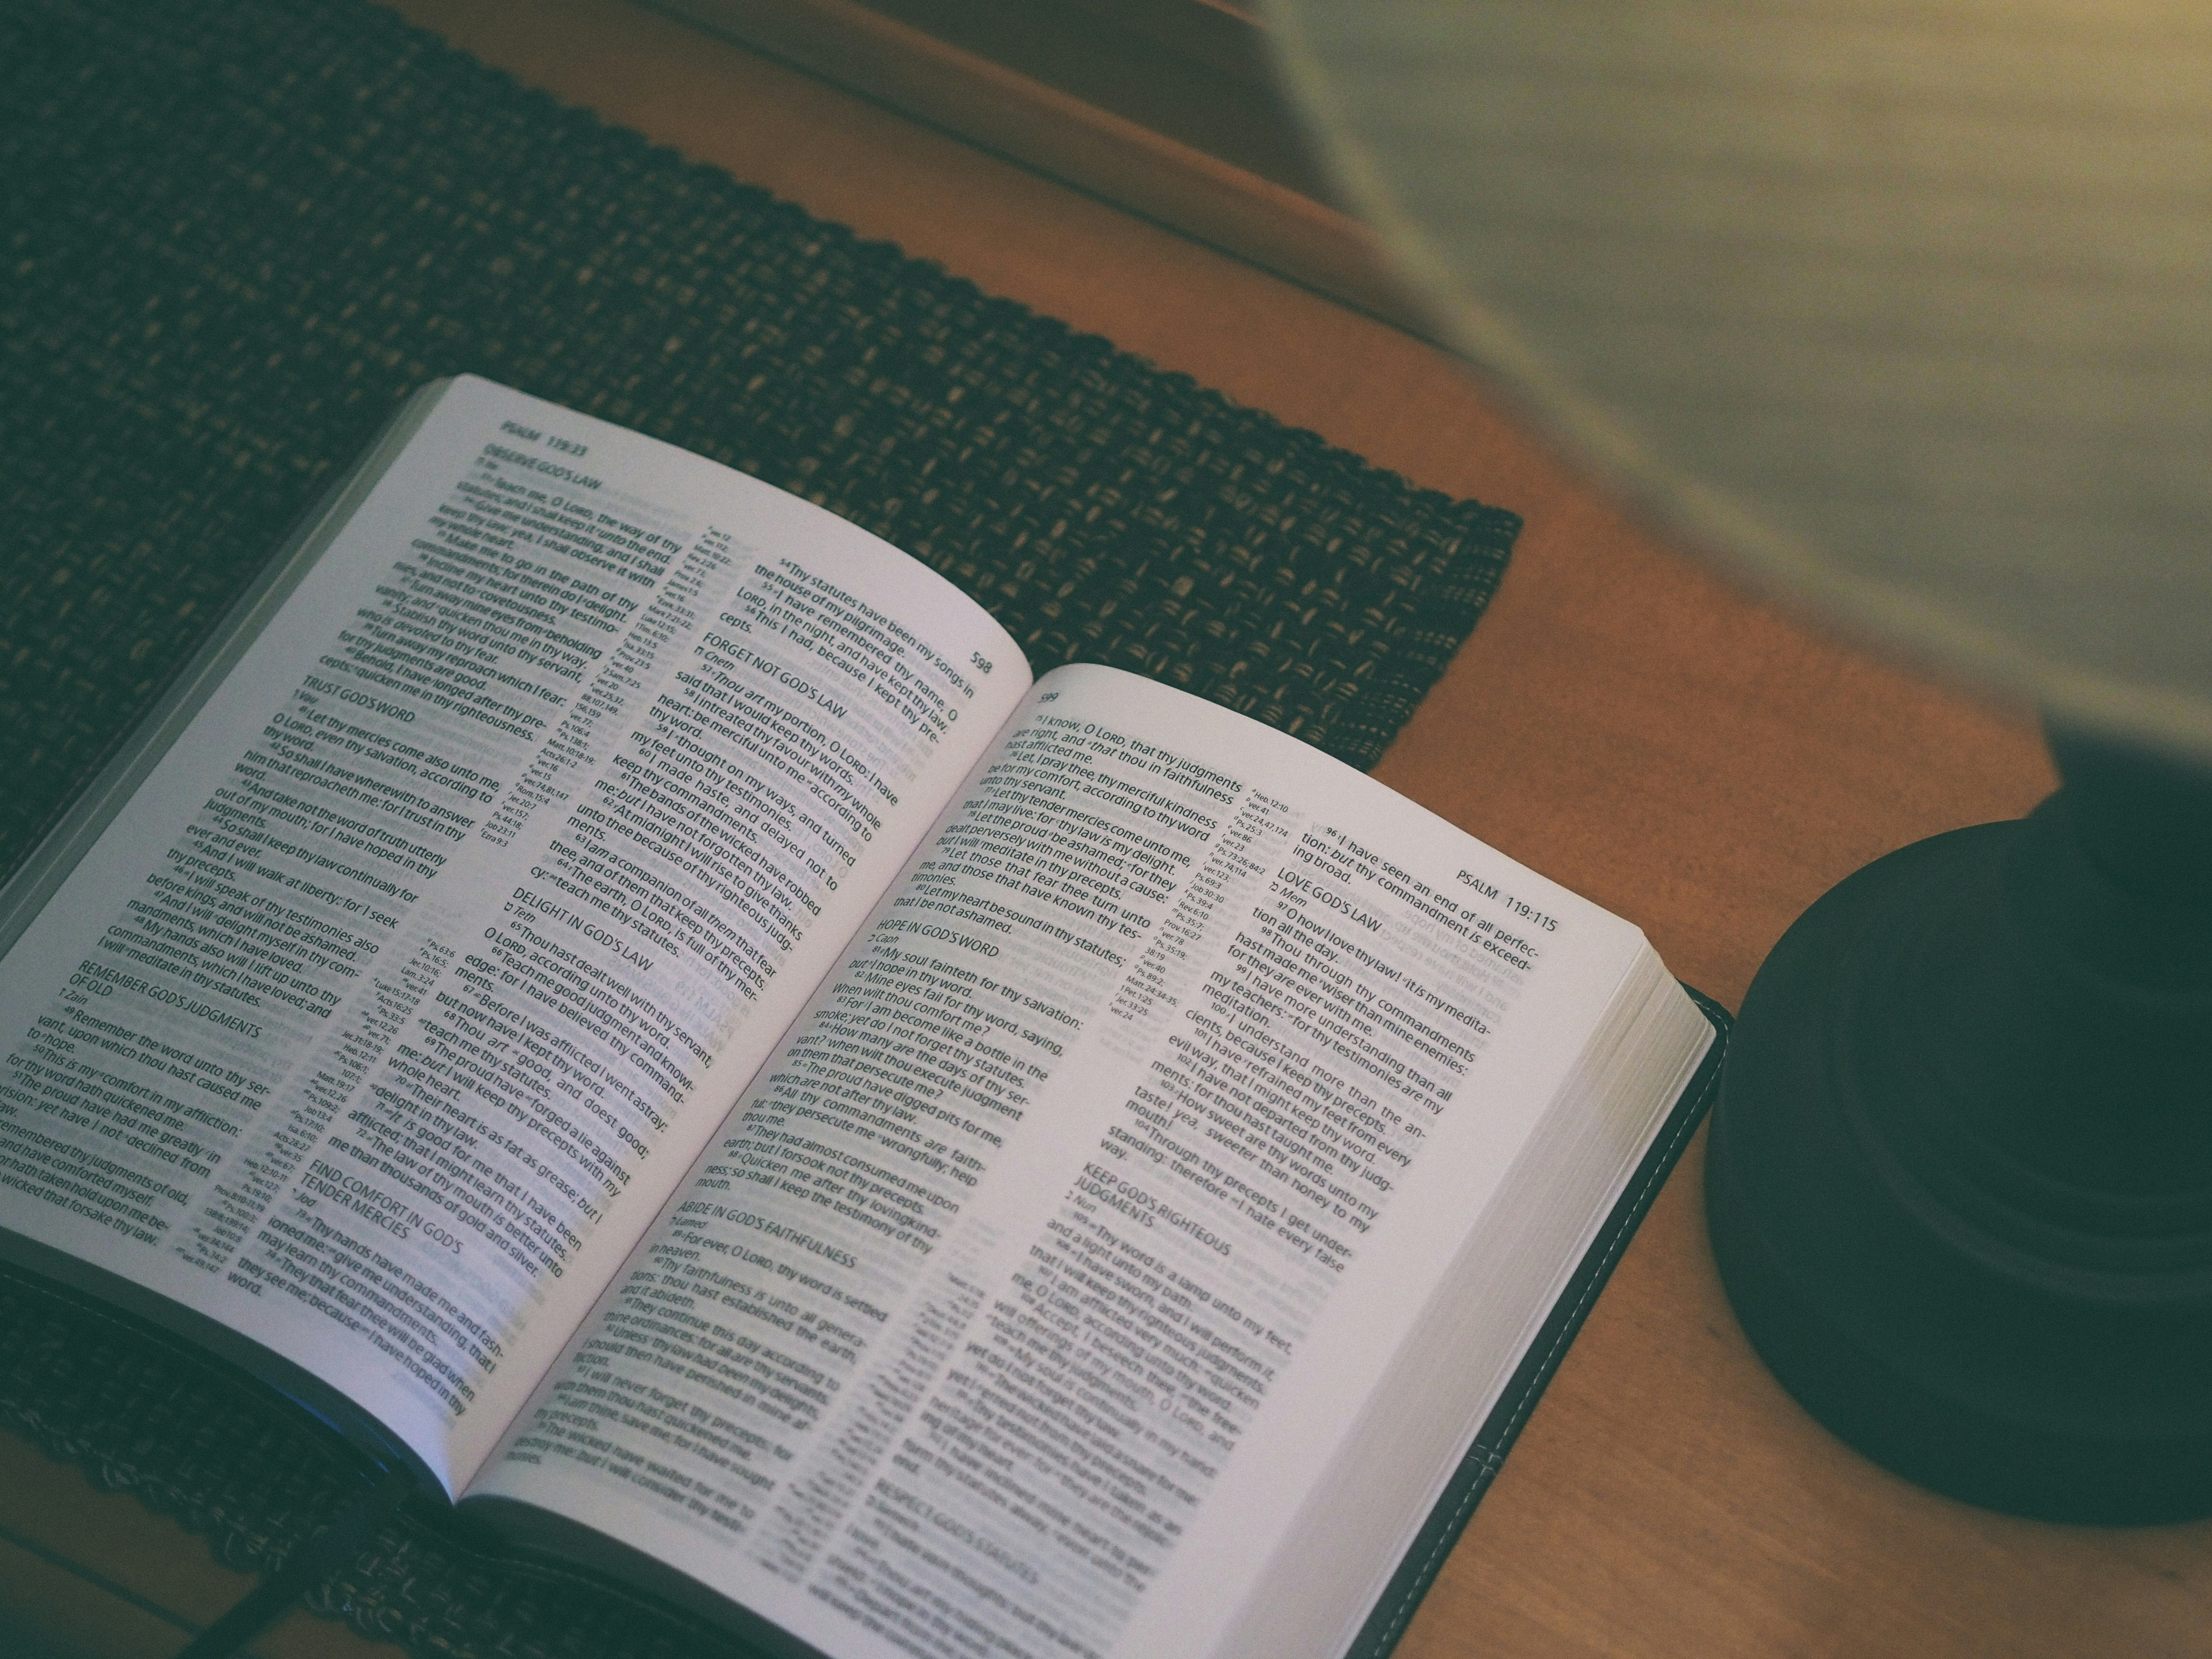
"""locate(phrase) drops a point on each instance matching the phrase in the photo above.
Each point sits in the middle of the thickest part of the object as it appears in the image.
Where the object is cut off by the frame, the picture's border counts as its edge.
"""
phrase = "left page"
(384, 1016)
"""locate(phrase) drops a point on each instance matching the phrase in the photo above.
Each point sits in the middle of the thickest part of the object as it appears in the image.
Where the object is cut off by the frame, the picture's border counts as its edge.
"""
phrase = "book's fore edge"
(208, 1344)
(214, 1350)
(559, 1549)
(1448, 1519)
(63, 846)
(54, 1273)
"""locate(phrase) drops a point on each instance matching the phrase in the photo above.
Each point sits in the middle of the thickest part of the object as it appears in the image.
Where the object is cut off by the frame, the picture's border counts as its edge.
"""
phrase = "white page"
(1069, 1403)
(388, 1013)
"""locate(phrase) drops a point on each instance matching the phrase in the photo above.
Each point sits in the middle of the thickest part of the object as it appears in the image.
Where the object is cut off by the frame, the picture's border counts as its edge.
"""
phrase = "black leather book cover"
(1448, 1518)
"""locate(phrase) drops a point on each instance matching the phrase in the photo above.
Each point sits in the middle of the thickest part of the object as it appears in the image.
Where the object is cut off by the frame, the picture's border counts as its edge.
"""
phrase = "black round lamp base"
(1959, 1178)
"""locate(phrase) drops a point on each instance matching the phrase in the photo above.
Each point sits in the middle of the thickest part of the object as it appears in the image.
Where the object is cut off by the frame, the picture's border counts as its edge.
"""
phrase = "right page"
(1057, 1267)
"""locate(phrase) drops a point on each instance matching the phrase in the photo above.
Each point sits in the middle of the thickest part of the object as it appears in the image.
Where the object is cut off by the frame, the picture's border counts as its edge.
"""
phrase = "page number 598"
(982, 663)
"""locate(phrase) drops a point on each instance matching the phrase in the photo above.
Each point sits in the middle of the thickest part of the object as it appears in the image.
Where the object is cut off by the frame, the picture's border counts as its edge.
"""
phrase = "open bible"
(613, 988)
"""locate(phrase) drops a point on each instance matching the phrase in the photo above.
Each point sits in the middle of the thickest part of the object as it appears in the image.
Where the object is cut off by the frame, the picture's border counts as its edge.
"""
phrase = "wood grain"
(1687, 753)
(87, 1574)
(1276, 217)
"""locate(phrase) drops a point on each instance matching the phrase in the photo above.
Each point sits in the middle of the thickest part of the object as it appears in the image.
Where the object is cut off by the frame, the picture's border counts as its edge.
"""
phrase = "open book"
(613, 986)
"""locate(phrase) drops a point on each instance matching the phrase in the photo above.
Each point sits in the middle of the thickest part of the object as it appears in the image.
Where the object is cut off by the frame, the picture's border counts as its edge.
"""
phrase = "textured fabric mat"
(142, 1415)
(233, 233)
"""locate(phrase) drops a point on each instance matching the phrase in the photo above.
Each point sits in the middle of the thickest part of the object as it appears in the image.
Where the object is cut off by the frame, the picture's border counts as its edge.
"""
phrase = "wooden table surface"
(1686, 755)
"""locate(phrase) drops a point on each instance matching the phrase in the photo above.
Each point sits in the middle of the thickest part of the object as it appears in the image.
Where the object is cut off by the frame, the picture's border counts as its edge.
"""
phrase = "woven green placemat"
(233, 233)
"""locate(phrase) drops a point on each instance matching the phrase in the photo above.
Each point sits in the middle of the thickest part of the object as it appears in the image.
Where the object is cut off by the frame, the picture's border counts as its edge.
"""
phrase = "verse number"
(982, 663)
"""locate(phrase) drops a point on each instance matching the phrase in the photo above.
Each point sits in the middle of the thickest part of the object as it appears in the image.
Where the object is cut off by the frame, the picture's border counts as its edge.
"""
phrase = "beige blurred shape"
(1904, 306)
